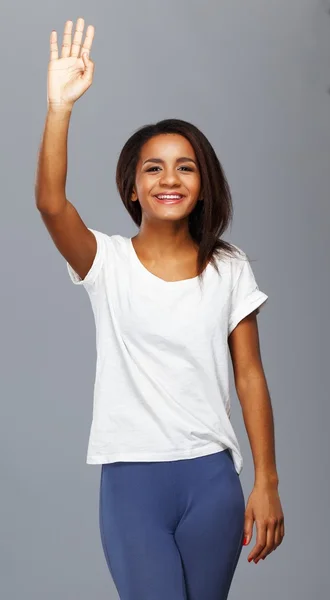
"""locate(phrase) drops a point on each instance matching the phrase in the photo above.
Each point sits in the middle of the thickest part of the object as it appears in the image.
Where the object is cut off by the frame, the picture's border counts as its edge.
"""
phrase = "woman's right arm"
(68, 79)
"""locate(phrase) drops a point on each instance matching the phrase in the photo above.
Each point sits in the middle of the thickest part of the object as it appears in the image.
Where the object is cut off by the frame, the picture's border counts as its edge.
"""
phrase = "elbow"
(50, 204)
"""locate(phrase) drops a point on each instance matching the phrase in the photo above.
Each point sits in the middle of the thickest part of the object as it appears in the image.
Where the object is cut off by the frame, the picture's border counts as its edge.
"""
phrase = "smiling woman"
(167, 304)
(170, 197)
(186, 164)
(171, 177)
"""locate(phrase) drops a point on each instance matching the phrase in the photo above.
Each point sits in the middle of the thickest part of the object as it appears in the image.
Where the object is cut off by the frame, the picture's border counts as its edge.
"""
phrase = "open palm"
(71, 75)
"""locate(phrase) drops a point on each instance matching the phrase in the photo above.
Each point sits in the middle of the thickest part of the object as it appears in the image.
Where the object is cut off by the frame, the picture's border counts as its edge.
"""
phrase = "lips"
(169, 198)
(171, 194)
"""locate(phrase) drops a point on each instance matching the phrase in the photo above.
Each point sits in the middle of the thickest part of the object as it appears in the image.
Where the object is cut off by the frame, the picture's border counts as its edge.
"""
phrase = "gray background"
(254, 76)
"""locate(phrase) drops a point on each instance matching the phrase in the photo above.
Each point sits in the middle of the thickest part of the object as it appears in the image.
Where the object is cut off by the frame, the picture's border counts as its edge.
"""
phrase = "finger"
(280, 531)
(66, 44)
(277, 536)
(75, 48)
(270, 542)
(260, 542)
(88, 39)
(248, 526)
(53, 46)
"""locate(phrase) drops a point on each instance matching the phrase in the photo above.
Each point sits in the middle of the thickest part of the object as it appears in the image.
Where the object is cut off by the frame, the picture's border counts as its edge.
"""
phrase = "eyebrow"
(181, 159)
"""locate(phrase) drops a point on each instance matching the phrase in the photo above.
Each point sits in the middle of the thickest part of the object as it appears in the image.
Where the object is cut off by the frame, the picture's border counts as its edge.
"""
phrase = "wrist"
(266, 480)
(59, 108)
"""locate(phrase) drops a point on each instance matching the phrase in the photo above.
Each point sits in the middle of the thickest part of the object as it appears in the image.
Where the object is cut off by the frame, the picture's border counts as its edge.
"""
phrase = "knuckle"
(261, 523)
(260, 546)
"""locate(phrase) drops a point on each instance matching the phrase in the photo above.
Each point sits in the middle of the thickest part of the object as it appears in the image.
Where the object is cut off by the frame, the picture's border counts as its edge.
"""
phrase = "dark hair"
(209, 218)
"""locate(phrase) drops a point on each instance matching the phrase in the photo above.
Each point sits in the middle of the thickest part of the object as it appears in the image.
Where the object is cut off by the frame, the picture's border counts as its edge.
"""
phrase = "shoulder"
(232, 262)
(114, 242)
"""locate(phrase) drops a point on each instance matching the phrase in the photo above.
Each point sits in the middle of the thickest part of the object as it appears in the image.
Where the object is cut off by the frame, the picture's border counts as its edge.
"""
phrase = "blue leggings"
(172, 530)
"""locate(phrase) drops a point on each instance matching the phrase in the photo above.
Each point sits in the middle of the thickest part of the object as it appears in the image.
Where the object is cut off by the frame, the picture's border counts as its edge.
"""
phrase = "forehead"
(167, 146)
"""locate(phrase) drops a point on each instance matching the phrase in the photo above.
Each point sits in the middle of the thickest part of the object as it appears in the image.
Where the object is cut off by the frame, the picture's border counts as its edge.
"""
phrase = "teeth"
(169, 197)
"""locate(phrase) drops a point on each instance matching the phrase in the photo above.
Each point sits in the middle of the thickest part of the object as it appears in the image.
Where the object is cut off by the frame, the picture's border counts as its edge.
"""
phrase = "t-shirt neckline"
(179, 283)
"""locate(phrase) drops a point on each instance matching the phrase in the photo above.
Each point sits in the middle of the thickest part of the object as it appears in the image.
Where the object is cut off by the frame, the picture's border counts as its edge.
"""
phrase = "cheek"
(142, 188)
(147, 182)
(196, 185)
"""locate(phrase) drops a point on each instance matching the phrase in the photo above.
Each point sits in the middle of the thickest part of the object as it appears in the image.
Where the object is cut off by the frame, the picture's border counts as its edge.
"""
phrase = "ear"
(134, 195)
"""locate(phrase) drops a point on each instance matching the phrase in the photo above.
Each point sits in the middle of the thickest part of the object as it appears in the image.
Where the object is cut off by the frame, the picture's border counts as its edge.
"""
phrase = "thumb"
(89, 66)
(248, 530)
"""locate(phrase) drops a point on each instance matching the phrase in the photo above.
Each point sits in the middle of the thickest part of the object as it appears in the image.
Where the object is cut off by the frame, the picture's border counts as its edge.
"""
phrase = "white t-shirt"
(161, 388)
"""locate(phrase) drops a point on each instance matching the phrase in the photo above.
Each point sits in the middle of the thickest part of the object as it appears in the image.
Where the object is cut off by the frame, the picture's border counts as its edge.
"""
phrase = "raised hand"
(71, 75)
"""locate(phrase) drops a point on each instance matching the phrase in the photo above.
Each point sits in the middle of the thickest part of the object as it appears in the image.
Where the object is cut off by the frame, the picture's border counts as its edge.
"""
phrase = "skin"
(164, 244)
(263, 506)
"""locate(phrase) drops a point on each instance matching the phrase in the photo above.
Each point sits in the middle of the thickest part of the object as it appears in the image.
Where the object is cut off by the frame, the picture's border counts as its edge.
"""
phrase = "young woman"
(168, 304)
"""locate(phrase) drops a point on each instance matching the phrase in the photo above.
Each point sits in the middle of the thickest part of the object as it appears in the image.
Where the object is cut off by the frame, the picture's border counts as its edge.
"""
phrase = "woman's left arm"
(264, 505)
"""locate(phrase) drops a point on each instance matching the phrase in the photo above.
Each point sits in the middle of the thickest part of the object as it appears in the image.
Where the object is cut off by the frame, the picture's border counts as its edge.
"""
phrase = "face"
(167, 165)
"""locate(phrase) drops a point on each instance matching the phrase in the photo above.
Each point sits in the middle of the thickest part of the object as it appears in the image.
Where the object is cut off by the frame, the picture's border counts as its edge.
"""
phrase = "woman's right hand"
(71, 75)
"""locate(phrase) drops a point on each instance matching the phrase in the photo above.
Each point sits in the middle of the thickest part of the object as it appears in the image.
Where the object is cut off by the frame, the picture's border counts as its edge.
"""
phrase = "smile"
(169, 198)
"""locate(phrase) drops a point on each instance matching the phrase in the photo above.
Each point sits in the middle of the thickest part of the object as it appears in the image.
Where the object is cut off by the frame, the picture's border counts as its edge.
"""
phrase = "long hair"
(211, 216)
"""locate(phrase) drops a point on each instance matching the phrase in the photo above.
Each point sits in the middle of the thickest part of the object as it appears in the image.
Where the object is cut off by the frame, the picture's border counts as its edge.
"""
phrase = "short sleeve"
(96, 267)
(245, 295)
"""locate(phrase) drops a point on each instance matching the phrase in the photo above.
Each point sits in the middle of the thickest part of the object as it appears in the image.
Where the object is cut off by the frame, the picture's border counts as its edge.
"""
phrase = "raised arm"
(68, 79)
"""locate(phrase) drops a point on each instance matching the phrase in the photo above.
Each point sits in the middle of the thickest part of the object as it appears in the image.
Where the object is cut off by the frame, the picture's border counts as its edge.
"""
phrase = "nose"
(169, 177)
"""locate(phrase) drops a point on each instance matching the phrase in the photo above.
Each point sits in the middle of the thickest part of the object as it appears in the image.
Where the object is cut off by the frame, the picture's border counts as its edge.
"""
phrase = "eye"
(183, 167)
